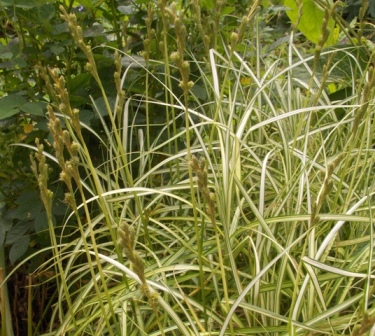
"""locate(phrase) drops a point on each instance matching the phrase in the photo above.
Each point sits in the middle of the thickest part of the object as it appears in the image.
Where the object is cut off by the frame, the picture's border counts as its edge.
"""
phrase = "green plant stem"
(29, 306)
(6, 327)
(60, 269)
(169, 97)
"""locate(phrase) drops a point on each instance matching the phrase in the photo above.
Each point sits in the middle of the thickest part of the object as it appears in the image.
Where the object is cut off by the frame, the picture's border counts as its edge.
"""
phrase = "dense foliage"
(186, 168)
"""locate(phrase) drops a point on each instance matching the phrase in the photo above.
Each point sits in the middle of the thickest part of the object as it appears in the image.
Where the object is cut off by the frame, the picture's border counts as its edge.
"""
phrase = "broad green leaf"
(199, 92)
(16, 232)
(227, 10)
(77, 101)
(60, 28)
(207, 4)
(20, 62)
(59, 208)
(46, 12)
(79, 82)
(101, 107)
(29, 205)
(6, 55)
(311, 21)
(86, 3)
(93, 31)
(265, 3)
(10, 105)
(35, 108)
(127, 10)
(56, 49)
(19, 3)
(41, 222)
(86, 116)
(19, 248)
(9, 113)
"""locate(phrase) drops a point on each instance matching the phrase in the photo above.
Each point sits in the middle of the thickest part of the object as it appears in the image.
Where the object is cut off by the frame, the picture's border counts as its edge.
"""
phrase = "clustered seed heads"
(236, 37)
(150, 32)
(126, 239)
(366, 94)
(199, 167)
(326, 187)
(64, 144)
(196, 8)
(76, 31)
(40, 171)
(178, 56)
(62, 97)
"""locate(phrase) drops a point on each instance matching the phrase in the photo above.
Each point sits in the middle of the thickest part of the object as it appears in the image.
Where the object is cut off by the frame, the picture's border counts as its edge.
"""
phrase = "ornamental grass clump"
(247, 211)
